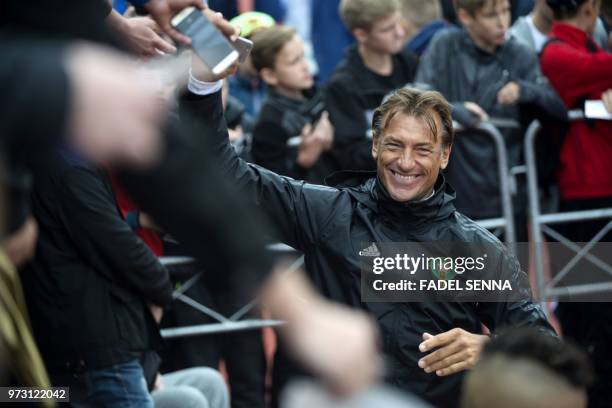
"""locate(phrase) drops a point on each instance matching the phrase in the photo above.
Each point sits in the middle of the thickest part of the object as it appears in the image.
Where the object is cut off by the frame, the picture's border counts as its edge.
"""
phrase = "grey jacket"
(462, 72)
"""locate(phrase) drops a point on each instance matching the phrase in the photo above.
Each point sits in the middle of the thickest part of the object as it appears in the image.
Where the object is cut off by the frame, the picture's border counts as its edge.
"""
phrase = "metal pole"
(534, 206)
(504, 183)
(214, 328)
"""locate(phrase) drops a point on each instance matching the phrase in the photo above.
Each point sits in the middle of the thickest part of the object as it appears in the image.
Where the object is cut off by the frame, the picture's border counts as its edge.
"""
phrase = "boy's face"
(386, 35)
(408, 159)
(291, 70)
(488, 26)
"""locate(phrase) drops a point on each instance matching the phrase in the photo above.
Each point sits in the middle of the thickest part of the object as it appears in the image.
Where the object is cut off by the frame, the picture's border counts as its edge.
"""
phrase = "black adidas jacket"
(329, 225)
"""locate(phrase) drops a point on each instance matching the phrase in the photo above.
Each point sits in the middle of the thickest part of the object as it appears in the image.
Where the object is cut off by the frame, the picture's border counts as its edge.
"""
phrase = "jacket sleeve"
(517, 310)
(270, 150)
(93, 221)
(293, 210)
(535, 89)
(430, 73)
(352, 148)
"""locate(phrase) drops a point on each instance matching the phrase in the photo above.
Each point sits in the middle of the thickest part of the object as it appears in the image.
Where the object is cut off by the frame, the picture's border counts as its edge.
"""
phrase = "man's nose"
(406, 161)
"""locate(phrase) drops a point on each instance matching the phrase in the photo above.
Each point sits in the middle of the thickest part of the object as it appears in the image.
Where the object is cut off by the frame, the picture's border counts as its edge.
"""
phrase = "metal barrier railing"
(540, 226)
(506, 180)
(224, 324)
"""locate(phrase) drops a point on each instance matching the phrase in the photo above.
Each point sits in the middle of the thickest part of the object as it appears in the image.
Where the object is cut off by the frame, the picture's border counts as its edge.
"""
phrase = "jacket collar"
(354, 62)
(473, 49)
(573, 36)
(290, 103)
(368, 190)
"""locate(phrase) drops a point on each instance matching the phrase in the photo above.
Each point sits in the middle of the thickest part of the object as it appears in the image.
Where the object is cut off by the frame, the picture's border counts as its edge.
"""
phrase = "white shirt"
(539, 39)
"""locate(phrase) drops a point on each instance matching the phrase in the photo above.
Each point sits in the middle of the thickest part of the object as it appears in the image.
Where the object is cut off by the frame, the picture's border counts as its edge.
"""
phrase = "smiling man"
(412, 143)
(427, 345)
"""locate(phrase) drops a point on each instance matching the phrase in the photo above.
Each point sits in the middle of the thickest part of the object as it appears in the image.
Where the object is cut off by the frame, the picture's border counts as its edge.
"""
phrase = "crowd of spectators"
(350, 121)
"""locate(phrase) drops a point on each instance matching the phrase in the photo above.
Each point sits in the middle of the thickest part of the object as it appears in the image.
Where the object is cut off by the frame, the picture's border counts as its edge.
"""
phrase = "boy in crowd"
(422, 21)
(373, 67)
(293, 108)
(486, 75)
(580, 70)
(245, 84)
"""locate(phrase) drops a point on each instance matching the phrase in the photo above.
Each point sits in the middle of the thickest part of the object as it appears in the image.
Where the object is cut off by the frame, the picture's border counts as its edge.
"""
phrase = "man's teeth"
(402, 177)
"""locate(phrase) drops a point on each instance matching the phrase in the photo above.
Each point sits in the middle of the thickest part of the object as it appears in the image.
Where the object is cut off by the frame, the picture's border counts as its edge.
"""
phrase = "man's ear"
(464, 17)
(269, 76)
(360, 35)
(375, 147)
(446, 151)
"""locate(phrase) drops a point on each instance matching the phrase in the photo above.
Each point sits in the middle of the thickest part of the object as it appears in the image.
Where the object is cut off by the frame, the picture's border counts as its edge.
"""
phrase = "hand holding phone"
(208, 43)
(244, 47)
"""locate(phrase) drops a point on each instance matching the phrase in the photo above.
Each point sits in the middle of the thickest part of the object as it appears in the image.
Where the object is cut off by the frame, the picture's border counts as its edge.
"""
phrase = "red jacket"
(578, 73)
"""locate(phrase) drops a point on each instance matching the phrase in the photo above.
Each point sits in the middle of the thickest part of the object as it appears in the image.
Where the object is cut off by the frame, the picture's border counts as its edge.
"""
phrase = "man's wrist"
(203, 88)
(117, 22)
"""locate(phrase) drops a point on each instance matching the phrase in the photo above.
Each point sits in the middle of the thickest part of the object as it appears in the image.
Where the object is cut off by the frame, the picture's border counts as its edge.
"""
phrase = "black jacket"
(456, 67)
(353, 93)
(329, 225)
(92, 277)
(279, 120)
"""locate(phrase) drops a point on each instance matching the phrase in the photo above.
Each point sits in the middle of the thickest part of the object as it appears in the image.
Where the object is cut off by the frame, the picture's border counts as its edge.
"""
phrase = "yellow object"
(21, 357)
(252, 21)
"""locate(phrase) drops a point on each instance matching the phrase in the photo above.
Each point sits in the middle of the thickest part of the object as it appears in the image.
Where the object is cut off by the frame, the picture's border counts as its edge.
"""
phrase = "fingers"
(163, 45)
(150, 23)
(509, 94)
(453, 369)
(476, 110)
(444, 364)
(222, 24)
(175, 35)
(504, 97)
(439, 340)
(439, 355)
(203, 73)
(199, 4)
(306, 130)
(458, 350)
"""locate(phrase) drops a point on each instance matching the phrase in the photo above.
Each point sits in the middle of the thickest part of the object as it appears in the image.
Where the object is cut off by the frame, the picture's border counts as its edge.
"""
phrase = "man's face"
(489, 25)
(408, 160)
(386, 35)
(291, 70)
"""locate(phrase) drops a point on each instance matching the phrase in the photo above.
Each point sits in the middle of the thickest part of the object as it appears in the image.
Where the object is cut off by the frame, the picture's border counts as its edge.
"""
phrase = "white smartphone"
(213, 48)
(244, 47)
